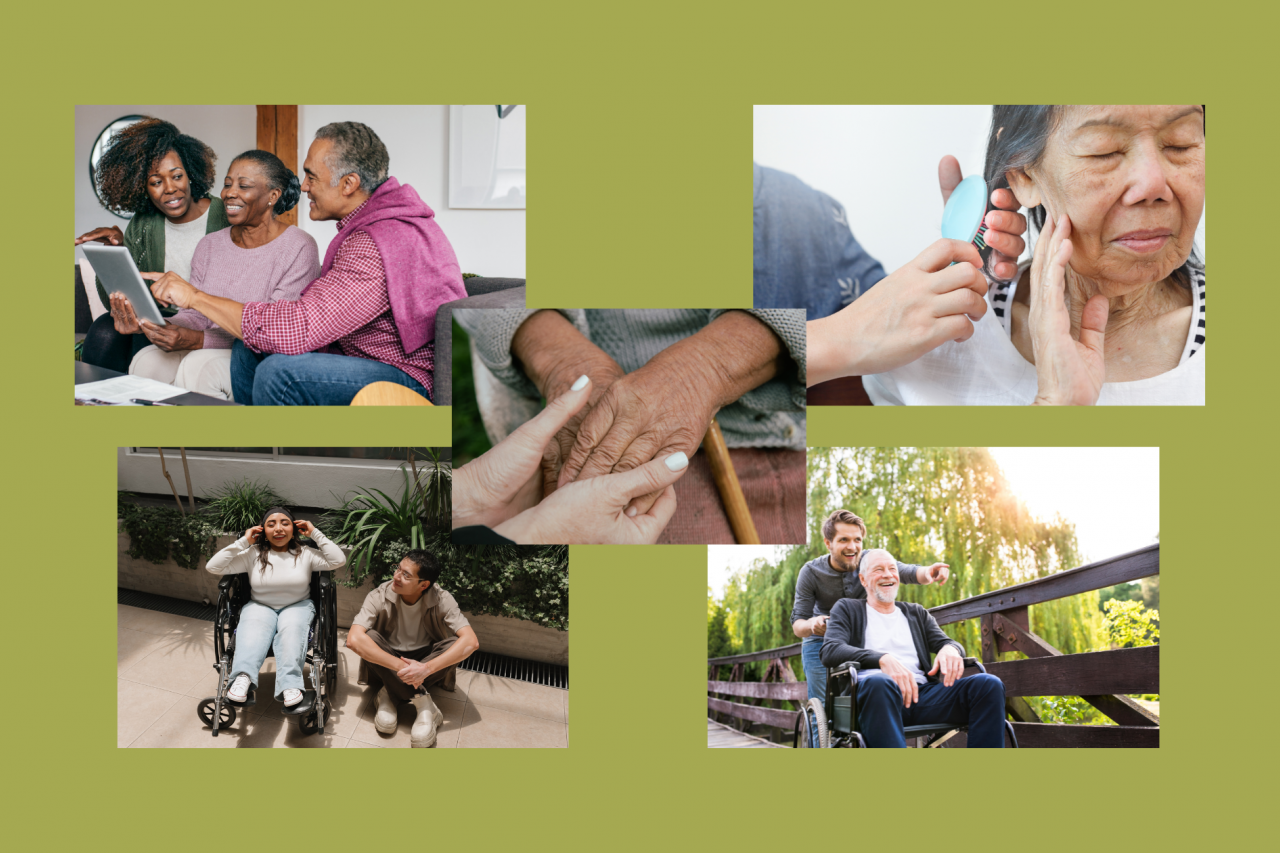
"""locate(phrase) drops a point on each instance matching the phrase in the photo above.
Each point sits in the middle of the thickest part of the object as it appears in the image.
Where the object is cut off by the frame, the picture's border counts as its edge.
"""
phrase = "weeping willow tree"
(924, 505)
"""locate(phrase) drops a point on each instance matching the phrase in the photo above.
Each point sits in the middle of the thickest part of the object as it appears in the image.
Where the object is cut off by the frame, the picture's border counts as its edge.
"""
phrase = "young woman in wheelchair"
(280, 611)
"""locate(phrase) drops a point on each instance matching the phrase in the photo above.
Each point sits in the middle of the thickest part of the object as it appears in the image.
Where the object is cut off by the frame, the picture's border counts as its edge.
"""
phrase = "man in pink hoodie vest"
(370, 316)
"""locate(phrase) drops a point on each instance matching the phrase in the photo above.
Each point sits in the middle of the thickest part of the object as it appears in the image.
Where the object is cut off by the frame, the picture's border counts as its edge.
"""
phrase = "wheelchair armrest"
(325, 580)
(226, 582)
(847, 666)
(974, 663)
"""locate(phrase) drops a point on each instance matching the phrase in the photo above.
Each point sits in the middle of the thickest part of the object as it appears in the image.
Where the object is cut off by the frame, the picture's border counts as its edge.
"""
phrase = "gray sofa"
(481, 293)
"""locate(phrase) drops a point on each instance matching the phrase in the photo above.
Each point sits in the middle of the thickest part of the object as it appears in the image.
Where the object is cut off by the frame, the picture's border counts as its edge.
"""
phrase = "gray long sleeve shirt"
(769, 416)
(819, 586)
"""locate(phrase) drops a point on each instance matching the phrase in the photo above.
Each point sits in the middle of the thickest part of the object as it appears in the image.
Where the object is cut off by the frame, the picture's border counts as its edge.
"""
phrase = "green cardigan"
(144, 238)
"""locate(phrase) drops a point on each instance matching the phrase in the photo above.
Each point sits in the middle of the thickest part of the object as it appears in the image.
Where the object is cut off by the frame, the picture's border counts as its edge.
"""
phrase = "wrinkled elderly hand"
(951, 665)
(1069, 372)
(666, 406)
(123, 316)
(1005, 226)
(171, 289)
(506, 480)
(171, 338)
(598, 511)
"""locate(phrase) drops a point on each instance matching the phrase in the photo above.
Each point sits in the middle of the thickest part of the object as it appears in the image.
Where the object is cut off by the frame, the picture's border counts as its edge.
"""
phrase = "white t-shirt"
(988, 370)
(287, 578)
(889, 632)
(180, 243)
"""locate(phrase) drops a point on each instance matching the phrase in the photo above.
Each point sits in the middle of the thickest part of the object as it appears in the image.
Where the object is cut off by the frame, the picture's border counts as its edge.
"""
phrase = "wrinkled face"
(1132, 180)
(405, 580)
(169, 187)
(846, 547)
(326, 201)
(880, 578)
(278, 530)
(246, 195)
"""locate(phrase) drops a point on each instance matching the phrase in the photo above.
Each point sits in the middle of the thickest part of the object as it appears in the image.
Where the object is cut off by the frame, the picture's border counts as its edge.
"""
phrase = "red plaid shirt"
(346, 310)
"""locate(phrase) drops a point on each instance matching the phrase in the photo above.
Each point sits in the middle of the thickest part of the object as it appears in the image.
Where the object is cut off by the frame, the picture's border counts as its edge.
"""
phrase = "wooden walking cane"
(735, 502)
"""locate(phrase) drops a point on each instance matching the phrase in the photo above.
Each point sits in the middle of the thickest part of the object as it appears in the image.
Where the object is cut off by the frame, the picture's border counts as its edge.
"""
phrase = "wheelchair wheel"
(205, 711)
(812, 722)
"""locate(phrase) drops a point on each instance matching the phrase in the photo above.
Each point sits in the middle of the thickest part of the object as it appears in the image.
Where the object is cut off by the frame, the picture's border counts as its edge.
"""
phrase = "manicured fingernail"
(580, 384)
(632, 512)
(677, 461)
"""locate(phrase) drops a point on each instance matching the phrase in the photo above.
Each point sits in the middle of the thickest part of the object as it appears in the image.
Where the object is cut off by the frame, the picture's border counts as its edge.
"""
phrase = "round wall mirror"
(99, 145)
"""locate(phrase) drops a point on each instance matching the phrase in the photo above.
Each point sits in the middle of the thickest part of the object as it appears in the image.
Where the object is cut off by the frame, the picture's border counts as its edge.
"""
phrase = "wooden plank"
(287, 150)
(767, 654)
(1052, 736)
(1019, 617)
(1092, 673)
(722, 737)
(1132, 566)
(1121, 709)
(759, 690)
(768, 716)
(267, 127)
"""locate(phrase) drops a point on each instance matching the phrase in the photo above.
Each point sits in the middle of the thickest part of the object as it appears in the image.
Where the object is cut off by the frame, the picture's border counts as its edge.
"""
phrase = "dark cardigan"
(847, 630)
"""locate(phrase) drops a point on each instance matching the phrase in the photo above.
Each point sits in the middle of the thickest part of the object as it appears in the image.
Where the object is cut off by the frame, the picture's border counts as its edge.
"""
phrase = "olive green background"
(638, 151)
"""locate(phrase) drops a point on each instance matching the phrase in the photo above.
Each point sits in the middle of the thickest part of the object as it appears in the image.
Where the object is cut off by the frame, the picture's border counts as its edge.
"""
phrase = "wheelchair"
(835, 721)
(320, 666)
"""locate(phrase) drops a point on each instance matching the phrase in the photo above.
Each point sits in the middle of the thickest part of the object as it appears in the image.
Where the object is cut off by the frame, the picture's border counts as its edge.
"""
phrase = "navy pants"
(310, 379)
(976, 701)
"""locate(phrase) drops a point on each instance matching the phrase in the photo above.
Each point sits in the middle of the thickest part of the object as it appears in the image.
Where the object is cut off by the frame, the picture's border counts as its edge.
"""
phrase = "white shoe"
(428, 723)
(292, 697)
(239, 688)
(386, 718)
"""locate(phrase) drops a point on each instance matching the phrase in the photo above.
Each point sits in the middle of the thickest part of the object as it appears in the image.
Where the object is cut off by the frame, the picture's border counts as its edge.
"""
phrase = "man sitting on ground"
(891, 642)
(411, 635)
(370, 317)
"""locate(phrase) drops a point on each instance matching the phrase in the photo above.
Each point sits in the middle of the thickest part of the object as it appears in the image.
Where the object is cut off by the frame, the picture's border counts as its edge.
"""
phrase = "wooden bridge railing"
(1100, 678)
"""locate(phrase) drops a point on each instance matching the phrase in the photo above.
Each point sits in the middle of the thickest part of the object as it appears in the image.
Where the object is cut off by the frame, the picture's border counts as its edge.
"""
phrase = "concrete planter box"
(497, 634)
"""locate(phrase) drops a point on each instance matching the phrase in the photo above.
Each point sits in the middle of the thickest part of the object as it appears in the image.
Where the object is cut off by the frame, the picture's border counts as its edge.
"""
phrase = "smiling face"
(880, 577)
(246, 195)
(1132, 180)
(327, 201)
(846, 547)
(278, 529)
(405, 580)
(169, 187)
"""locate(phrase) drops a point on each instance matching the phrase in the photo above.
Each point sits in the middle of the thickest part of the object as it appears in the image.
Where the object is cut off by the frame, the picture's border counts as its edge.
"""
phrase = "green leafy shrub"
(158, 533)
(238, 505)
(371, 521)
(1129, 624)
(517, 581)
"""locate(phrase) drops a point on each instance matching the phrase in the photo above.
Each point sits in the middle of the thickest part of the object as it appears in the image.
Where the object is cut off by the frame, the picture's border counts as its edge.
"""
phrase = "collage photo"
(947, 577)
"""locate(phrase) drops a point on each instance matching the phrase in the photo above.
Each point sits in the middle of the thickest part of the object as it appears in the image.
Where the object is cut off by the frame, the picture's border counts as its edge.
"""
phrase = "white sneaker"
(239, 688)
(386, 718)
(292, 697)
(428, 723)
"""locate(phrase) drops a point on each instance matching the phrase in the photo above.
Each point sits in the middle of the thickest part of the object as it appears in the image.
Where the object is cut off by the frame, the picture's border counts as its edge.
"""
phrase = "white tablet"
(114, 267)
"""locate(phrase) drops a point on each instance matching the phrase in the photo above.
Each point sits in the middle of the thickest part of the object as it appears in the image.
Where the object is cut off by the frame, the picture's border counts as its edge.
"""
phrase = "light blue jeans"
(815, 673)
(286, 629)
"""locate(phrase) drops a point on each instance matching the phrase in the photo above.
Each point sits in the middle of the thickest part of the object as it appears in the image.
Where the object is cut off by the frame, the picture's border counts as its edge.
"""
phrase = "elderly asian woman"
(1110, 311)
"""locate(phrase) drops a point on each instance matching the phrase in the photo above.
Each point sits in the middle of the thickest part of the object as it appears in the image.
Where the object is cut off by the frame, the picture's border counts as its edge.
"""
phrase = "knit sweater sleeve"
(845, 631)
(329, 558)
(235, 559)
(492, 332)
(786, 391)
(189, 317)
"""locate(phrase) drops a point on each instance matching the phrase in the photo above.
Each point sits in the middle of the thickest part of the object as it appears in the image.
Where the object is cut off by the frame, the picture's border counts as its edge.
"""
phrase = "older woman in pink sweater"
(257, 259)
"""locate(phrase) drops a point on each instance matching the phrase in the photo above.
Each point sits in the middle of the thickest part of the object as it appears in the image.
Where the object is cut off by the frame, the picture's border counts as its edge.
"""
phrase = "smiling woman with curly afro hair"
(161, 177)
(125, 165)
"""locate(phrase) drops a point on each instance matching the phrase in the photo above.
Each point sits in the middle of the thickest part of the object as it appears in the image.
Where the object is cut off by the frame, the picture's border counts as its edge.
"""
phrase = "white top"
(889, 632)
(287, 578)
(988, 370)
(180, 243)
(411, 627)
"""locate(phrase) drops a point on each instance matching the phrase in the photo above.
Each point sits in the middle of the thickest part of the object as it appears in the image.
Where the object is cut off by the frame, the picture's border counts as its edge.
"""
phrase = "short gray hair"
(358, 151)
(879, 552)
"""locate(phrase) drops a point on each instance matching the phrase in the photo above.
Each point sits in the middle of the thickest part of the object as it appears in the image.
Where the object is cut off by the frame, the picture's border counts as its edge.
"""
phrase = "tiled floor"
(165, 666)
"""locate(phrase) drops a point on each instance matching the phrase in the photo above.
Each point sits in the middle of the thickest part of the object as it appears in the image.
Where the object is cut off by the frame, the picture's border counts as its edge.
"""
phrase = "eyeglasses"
(401, 573)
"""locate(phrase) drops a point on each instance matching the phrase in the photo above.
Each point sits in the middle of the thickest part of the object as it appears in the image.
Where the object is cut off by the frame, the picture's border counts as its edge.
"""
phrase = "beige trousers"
(205, 371)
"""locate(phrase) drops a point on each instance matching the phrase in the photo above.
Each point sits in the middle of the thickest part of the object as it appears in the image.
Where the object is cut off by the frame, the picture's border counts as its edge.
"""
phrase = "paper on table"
(121, 389)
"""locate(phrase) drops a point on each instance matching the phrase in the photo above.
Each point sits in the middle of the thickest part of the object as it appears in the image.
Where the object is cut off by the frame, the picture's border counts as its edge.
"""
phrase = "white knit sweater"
(287, 578)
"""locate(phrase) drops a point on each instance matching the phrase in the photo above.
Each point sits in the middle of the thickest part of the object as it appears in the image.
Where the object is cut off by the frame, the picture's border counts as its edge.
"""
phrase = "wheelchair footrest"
(249, 700)
(304, 707)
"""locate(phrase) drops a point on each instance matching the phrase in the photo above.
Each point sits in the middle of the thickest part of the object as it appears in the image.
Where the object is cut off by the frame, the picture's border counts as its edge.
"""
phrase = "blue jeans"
(310, 379)
(976, 701)
(286, 629)
(815, 674)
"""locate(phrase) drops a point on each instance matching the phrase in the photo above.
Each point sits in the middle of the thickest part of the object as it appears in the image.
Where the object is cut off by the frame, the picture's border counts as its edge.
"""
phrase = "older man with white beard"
(891, 642)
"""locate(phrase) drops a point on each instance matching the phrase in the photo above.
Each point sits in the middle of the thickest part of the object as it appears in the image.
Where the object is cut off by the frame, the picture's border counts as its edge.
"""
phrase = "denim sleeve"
(804, 254)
